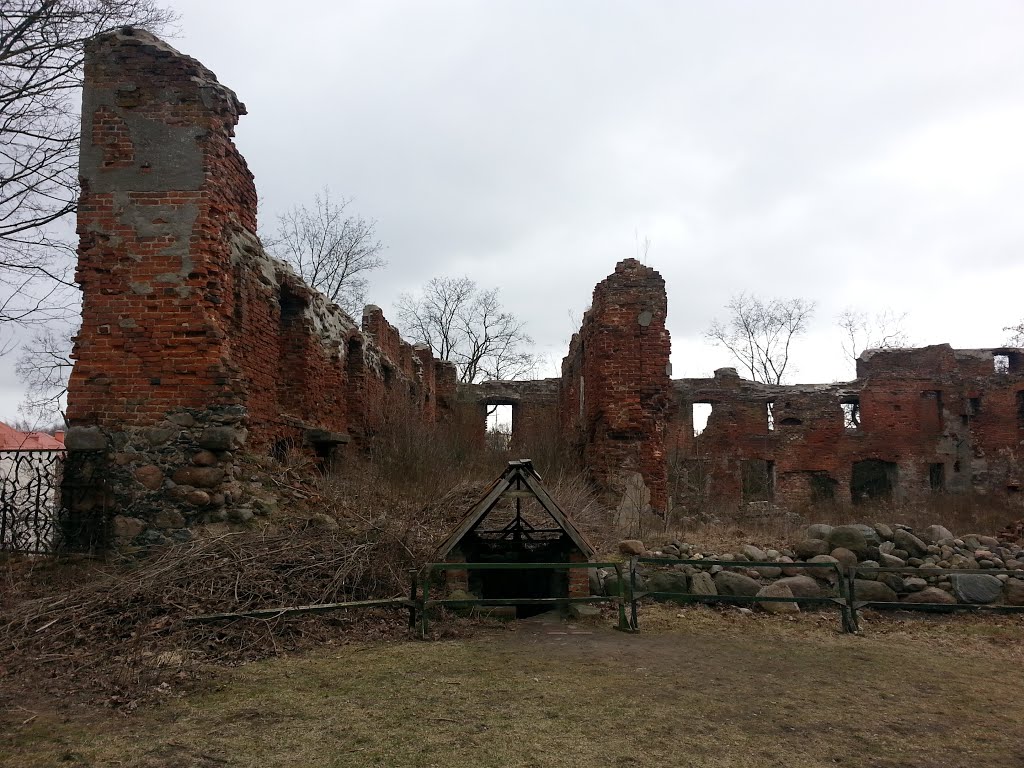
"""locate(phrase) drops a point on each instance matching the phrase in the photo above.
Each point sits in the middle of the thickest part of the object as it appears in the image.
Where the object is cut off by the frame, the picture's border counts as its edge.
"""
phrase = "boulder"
(914, 584)
(754, 554)
(702, 583)
(1014, 592)
(930, 595)
(126, 528)
(891, 561)
(181, 419)
(864, 571)
(825, 573)
(169, 518)
(594, 579)
(818, 531)
(197, 498)
(893, 581)
(613, 587)
(729, 583)
(849, 537)
(907, 541)
(85, 439)
(204, 459)
(784, 562)
(978, 588)
(222, 438)
(801, 586)
(884, 531)
(668, 581)
(632, 547)
(199, 477)
(809, 548)
(870, 534)
(933, 534)
(777, 590)
(149, 476)
(873, 591)
(844, 557)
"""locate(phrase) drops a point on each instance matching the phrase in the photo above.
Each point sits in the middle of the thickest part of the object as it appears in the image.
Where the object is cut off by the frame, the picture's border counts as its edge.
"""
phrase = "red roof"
(13, 440)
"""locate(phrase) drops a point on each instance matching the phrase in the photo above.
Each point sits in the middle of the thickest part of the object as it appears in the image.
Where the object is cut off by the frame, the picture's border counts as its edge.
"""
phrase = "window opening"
(499, 426)
(1001, 363)
(937, 476)
(758, 476)
(823, 487)
(770, 408)
(872, 480)
(851, 414)
(701, 415)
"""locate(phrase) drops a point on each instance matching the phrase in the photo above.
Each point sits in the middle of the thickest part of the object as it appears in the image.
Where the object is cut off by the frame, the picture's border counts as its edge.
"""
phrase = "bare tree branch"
(862, 331)
(469, 327)
(332, 251)
(43, 367)
(41, 52)
(759, 333)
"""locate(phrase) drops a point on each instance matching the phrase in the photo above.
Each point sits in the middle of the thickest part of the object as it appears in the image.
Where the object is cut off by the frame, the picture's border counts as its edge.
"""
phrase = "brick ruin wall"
(613, 403)
(195, 345)
(914, 423)
(197, 348)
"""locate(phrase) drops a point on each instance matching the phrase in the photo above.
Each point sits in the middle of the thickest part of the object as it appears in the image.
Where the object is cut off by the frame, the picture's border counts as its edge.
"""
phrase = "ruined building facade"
(195, 345)
(197, 348)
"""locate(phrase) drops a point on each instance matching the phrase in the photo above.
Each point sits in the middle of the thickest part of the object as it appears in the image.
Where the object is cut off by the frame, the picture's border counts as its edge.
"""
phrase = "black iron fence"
(30, 500)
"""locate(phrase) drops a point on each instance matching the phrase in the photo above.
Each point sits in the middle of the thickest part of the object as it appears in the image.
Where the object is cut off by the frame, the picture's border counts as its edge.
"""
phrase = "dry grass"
(699, 687)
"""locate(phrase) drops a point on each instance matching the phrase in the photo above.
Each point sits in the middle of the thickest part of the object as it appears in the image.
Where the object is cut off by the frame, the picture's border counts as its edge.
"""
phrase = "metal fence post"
(412, 598)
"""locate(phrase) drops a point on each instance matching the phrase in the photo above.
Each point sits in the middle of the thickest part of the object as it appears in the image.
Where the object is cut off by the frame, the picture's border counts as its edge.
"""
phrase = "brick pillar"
(457, 579)
(579, 578)
(616, 387)
(163, 191)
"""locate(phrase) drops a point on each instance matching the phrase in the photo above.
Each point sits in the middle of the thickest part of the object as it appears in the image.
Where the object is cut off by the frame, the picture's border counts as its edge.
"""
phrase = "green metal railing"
(425, 603)
(845, 578)
(853, 572)
(842, 601)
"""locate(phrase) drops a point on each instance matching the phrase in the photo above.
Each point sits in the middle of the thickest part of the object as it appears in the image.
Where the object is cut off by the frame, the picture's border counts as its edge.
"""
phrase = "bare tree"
(1016, 337)
(759, 333)
(333, 251)
(468, 326)
(41, 51)
(862, 331)
(43, 366)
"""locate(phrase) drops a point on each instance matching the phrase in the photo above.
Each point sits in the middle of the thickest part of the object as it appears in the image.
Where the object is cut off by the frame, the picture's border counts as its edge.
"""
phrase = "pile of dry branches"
(124, 630)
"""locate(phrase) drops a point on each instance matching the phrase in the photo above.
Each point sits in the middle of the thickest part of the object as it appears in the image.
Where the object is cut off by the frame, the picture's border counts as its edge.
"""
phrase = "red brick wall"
(933, 405)
(181, 306)
(187, 323)
(615, 391)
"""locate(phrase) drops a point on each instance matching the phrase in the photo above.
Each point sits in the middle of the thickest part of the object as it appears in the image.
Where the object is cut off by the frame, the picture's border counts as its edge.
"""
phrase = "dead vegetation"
(115, 632)
(699, 687)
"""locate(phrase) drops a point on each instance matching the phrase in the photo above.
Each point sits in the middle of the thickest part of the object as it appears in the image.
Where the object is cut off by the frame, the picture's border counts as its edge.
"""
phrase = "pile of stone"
(928, 552)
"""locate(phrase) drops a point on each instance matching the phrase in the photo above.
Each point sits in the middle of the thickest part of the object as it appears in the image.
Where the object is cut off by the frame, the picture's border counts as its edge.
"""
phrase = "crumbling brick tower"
(164, 194)
(616, 390)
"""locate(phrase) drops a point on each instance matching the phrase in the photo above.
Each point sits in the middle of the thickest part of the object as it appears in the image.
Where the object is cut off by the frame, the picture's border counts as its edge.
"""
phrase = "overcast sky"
(865, 154)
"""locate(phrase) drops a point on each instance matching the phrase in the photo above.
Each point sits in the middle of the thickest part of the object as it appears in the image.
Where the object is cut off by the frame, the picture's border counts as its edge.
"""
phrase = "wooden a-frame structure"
(518, 480)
